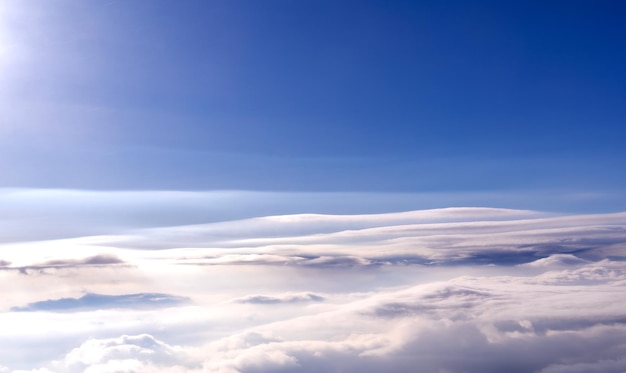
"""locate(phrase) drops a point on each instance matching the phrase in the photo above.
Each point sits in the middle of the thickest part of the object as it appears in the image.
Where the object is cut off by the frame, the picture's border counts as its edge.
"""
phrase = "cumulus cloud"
(124, 354)
(598, 272)
(482, 326)
(462, 325)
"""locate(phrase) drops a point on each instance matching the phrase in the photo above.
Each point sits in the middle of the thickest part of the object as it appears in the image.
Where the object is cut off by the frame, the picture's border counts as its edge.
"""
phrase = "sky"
(239, 186)
(368, 96)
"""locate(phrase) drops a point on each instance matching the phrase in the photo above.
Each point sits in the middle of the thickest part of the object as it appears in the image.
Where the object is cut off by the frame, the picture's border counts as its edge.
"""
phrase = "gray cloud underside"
(281, 298)
(92, 301)
(92, 261)
(553, 250)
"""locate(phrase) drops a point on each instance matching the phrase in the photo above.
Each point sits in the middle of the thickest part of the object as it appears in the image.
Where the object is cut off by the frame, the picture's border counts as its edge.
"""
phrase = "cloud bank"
(452, 290)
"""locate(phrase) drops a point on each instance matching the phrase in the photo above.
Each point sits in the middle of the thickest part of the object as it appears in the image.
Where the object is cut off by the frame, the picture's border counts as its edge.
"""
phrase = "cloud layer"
(454, 290)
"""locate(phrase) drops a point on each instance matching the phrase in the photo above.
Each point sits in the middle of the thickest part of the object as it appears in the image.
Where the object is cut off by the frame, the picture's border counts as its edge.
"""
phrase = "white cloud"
(465, 324)
(557, 260)
(484, 293)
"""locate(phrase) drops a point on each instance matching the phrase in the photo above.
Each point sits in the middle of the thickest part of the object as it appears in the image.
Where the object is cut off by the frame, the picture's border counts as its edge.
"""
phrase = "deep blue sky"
(412, 96)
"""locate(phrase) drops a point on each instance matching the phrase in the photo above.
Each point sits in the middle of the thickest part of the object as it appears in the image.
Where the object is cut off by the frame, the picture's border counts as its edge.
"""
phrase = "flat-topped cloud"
(91, 301)
(287, 298)
(41, 267)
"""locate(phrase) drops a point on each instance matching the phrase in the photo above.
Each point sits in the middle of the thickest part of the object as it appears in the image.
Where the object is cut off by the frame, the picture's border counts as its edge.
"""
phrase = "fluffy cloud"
(465, 324)
(485, 325)
(124, 354)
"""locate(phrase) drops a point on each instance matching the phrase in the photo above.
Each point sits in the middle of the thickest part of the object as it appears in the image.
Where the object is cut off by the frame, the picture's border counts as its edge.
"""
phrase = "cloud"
(92, 301)
(460, 236)
(289, 227)
(281, 298)
(485, 293)
(124, 354)
(450, 297)
(325, 261)
(605, 271)
(43, 214)
(92, 261)
(487, 238)
(601, 366)
(557, 260)
(464, 324)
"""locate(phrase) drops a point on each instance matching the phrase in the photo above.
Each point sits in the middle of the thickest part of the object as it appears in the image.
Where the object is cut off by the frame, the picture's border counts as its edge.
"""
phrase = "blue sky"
(368, 96)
